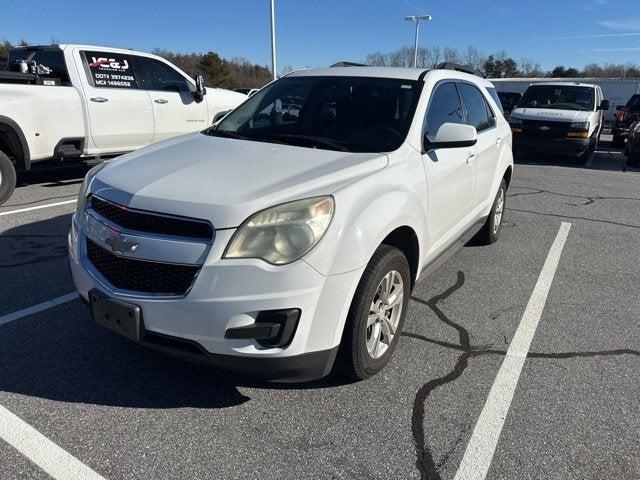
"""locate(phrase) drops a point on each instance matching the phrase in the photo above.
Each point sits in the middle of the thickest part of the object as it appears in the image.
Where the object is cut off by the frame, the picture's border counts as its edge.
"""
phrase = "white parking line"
(37, 207)
(38, 308)
(51, 458)
(484, 439)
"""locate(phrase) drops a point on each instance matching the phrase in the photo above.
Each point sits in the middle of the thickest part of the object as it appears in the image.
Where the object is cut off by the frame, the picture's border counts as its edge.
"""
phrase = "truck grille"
(545, 129)
(152, 222)
(141, 275)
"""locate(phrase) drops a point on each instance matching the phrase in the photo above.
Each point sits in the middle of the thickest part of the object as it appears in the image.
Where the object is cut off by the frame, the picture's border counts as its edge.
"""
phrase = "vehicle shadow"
(53, 175)
(61, 354)
(606, 158)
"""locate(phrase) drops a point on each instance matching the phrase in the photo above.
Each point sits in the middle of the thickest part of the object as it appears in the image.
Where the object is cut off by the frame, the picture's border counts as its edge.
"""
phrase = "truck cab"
(64, 102)
(562, 118)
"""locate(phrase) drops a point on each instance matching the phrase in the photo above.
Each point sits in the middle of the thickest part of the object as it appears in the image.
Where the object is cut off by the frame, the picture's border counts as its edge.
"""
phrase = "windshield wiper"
(224, 134)
(316, 141)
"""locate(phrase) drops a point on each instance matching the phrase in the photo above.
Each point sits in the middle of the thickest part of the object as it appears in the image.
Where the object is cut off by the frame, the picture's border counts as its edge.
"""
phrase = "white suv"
(288, 237)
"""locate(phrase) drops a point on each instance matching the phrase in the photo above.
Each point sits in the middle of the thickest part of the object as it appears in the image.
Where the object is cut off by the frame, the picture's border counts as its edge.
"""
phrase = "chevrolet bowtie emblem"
(120, 244)
(545, 128)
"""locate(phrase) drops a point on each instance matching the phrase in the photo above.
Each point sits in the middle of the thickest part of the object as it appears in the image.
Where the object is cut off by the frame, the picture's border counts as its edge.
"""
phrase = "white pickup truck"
(62, 102)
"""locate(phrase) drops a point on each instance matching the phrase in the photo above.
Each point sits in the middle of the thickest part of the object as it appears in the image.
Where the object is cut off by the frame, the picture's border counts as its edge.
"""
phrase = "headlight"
(515, 121)
(284, 233)
(84, 189)
(580, 126)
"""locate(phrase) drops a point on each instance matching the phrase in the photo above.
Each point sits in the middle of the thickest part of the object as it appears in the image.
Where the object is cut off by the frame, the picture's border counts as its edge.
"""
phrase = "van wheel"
(491, 229)
(376, 316)
(7, 178)
(618, 141)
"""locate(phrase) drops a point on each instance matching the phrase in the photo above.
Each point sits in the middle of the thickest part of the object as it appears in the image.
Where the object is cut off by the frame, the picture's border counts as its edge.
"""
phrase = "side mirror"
(201, 91)
(604, 105)
(452, 135)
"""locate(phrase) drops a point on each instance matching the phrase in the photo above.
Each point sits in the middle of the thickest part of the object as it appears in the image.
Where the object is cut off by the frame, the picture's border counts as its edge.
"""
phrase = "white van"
(559, 117)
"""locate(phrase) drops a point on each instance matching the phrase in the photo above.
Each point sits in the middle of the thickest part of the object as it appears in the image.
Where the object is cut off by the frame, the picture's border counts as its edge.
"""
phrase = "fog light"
(272, 328)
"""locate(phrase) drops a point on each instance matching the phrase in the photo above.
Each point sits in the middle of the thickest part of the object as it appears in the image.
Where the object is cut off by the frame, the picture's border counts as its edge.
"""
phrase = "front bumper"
(230, 294)
(563, 146)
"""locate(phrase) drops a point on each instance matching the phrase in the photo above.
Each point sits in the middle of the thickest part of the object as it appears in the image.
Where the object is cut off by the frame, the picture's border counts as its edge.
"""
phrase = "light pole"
(273, 39)
(416, 19)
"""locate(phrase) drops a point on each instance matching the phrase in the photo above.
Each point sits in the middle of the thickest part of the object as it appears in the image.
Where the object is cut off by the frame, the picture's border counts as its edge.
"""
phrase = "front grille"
(141, 275)
(545, 129)
(152, 222)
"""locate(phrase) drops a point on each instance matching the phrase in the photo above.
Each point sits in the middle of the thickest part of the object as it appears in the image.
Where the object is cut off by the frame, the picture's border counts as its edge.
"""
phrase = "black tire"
(593, 146)
(489, 233)
(7, 178)
(618, 141)
(354, 360)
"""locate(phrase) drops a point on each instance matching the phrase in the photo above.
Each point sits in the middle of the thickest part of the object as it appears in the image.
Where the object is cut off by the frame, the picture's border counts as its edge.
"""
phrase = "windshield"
(354, 114)
(559, 97)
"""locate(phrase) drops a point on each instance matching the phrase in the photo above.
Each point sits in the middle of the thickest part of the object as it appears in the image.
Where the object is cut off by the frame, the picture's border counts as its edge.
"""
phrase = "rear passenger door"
(119, 109)
(174, 107)
(480, 115)
(451, 174)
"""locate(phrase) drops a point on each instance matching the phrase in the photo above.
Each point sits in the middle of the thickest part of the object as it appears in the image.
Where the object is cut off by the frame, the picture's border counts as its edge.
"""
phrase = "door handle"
(470, 158)
(99, 99)
(161, 100)
(499, 141)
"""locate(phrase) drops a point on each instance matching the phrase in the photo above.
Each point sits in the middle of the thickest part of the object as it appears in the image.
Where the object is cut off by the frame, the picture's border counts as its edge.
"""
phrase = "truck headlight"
(515, 121)
(582, 126)
(84, 189)
(284, 233)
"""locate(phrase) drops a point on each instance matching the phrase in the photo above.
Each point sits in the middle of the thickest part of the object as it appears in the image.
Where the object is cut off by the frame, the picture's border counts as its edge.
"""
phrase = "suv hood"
(226, 180)
(551, 115)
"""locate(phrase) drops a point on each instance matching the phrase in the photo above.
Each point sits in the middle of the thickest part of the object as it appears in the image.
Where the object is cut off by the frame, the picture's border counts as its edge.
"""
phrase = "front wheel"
(7, 178)
(491, 229)
(618, 141)
(376, 315)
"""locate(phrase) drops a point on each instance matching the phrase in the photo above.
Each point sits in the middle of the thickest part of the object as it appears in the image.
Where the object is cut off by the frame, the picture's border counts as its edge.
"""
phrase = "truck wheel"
(376, 315)
(617, 141)
(7, 178)
(491, 229)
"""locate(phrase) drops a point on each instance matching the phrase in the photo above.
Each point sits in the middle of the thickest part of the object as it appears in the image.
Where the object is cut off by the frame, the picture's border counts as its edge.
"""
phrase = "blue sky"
(319, 32)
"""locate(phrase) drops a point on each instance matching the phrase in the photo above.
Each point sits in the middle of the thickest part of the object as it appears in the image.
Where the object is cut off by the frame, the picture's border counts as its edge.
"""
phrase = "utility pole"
(416, 19)
(273, 40)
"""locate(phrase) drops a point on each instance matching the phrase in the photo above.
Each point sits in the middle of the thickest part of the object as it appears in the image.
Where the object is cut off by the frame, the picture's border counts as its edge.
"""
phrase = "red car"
(624, 120)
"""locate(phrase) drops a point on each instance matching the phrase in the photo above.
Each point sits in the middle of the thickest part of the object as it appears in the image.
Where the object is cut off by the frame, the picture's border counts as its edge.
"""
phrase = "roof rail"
(458, 68)
(348, 64)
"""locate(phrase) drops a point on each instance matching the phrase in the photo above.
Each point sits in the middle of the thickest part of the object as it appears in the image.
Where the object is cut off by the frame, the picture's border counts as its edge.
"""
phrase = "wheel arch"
(507, 175)
(405, 239)
(14, 144)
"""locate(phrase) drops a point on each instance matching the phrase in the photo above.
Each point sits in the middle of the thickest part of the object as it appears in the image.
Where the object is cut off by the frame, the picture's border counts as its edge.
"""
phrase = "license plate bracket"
(121, 317)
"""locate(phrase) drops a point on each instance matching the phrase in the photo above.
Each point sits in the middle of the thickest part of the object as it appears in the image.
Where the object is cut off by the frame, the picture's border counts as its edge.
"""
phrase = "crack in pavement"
(590, 199)
(425, 462)
(559, 215)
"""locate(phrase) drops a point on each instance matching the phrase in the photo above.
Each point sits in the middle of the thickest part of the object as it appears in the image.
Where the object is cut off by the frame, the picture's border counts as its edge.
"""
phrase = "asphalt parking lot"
(123, 413)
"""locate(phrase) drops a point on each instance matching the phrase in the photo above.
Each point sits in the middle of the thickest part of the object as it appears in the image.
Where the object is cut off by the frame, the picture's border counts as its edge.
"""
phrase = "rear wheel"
(376, 316)
(618, 141)
(491, 230)
(7, 178)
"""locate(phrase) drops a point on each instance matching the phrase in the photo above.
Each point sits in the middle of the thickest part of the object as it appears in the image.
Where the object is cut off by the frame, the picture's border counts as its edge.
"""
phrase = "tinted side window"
(110, 70)
(478, 113)
(445, 107)
(160, 76)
